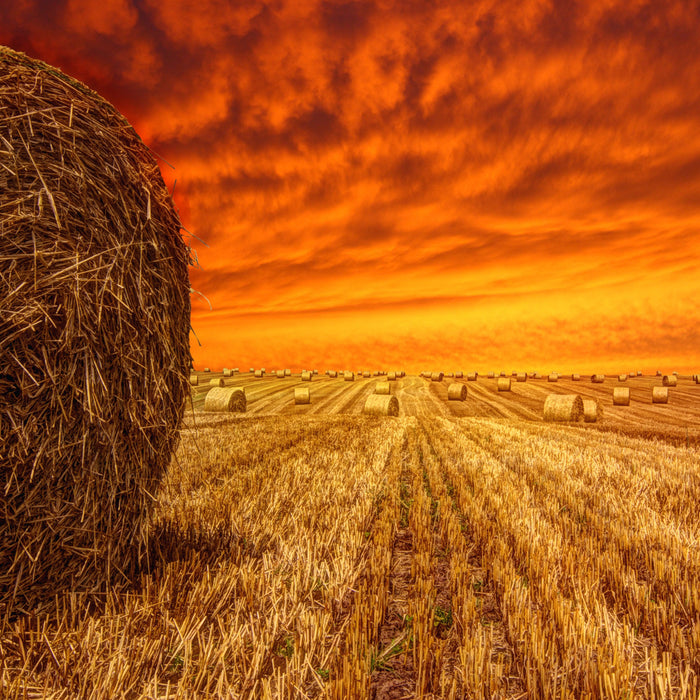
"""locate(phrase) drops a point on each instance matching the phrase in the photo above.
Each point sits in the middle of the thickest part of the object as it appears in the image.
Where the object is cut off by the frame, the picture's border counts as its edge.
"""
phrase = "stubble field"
(463, 549)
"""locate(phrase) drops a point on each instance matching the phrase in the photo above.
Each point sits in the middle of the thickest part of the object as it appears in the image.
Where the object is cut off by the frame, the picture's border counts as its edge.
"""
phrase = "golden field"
(461, 550)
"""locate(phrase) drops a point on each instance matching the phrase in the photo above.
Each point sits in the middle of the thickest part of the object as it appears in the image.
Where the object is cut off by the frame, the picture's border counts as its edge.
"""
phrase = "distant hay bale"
(252, 370)
(332, 373)
(381, 405)
(194, 379)
(502, 374)
(658, 372)
(622, 378)
(436, 376)
(553, 377)
(306, 376)
(391, 376)
(639, 374)
(349, 377)
(520, 377)
(491, 375)
(456, 392)
(472, 376)
(287, 372)
(670, 380)
(450, 374)
(302, 395)
(281, 374)
(675, 373)
(315, 371)
(597, 378)
(94, 346)
(575, 377)
(219, 381)
(504, 384)
(228, 372)
(225, 399)
(459, 375)
(621, 396)
(366, 374)
(535, 375)
(382, 388)
(591, 410)
(659, 394)
(207, 369)
(259, 373)
(563, 407)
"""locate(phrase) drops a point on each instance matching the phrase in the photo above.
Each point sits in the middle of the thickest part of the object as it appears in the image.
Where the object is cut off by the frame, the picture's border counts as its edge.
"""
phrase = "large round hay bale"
(302, 395)
(281, 374)
(591, 410)
(597, 378)
(622, 378)
(228, 372)
(504, 384)
(306, 376)
(659, 394)
(219, 381)
(382, 388)
(436, 376)
(349, 376)
(225, 399)
(621, 396)
(94, 337)
(332, 373)
(381, 405)
(472, 376)
(553, 377)
(391, 376)
(670, 380)
(563, 407)
(457, 392)
(194, 379)
(521, 377)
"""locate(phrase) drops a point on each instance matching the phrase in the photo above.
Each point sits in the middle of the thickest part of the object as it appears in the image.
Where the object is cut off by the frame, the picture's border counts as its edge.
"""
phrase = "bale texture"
(381, 405)
(228, 372)
(194, 379)
(217, 382)
(94, 347)
(382, 388)
(332, 373)
(306, 376)
(659, 394)
(670, 380)
(521, 377)
(504, 384)
(457, 392)
(563, 407)
(472, 376)
(302, 395)
(591, 410)
(553, 377)
(391, 376)
(226, 399)
(349, 376)
(621, 396)
(436, 376)
(597, 378)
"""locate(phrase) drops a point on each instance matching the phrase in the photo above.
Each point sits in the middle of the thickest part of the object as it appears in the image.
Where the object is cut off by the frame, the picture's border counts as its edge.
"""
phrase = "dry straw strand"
(563, 407)
(94, 346)
(225, 399)
(381, 405)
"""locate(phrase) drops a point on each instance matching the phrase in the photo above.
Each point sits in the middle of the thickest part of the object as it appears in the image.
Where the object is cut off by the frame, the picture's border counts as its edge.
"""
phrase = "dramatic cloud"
(415, 183)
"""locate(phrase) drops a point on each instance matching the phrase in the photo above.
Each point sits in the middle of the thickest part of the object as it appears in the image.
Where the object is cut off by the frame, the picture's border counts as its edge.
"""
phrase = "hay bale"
(94, 346)
(349, 376)
(502, 374)
(459, 375)
(658, 372)
(281, 374)
(639, 374)
(207, 369)
(194, 379)
(259, 373)
(670, 380)
(391, 376)
(591, 410)
(302, 395)
(436, 376)
(456, 392)
(381, 405)
(252, 370)
(315, 371)
(382, 388)
(491, 375)
(504, 384)
(575, 377)
(219, 381)
(332, 373)
(306, 376)
(287, 372)
(563, 407)
(450, 374)
(659, 394)
(553, 377)
(472, 376)
(521, 377)
(536, 375)
(597, 378)
(622, 378)
(367, 374)
(225, 399)
(621, 396)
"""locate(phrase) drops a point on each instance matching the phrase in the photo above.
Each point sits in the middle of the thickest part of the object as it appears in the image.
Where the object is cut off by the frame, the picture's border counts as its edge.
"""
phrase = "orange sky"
(475, 185)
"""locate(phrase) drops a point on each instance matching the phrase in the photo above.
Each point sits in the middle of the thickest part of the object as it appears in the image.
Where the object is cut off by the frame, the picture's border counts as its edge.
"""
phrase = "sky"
(487, 185)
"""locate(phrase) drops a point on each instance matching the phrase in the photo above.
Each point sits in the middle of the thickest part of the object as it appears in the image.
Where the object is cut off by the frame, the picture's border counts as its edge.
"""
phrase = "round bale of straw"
(659, 394)
(504, 384)
(207, 369)
(491, 375)
(382, 388)
(563, 407)
(391, 376)
(332, 373)
(259, 373)
(94, 347)
(591, 410)
(194, 379)
(225, 399)
(302, 395)
(306, 376)
(459, 375)
(621, 396)
(281, 374)
(217, 382)
(436, 376)
(287, 372)
(521, 377)
(228, 372)
(575, 377)
(252, 370)
(670, 380)
(553, 377)
(622, 378)
(472, 376)
(349, 376)
(457, 392)
(381, 405)
(597, 378)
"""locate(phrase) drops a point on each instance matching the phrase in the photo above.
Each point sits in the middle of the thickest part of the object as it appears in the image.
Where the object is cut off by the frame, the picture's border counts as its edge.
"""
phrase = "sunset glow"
(487, 185)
